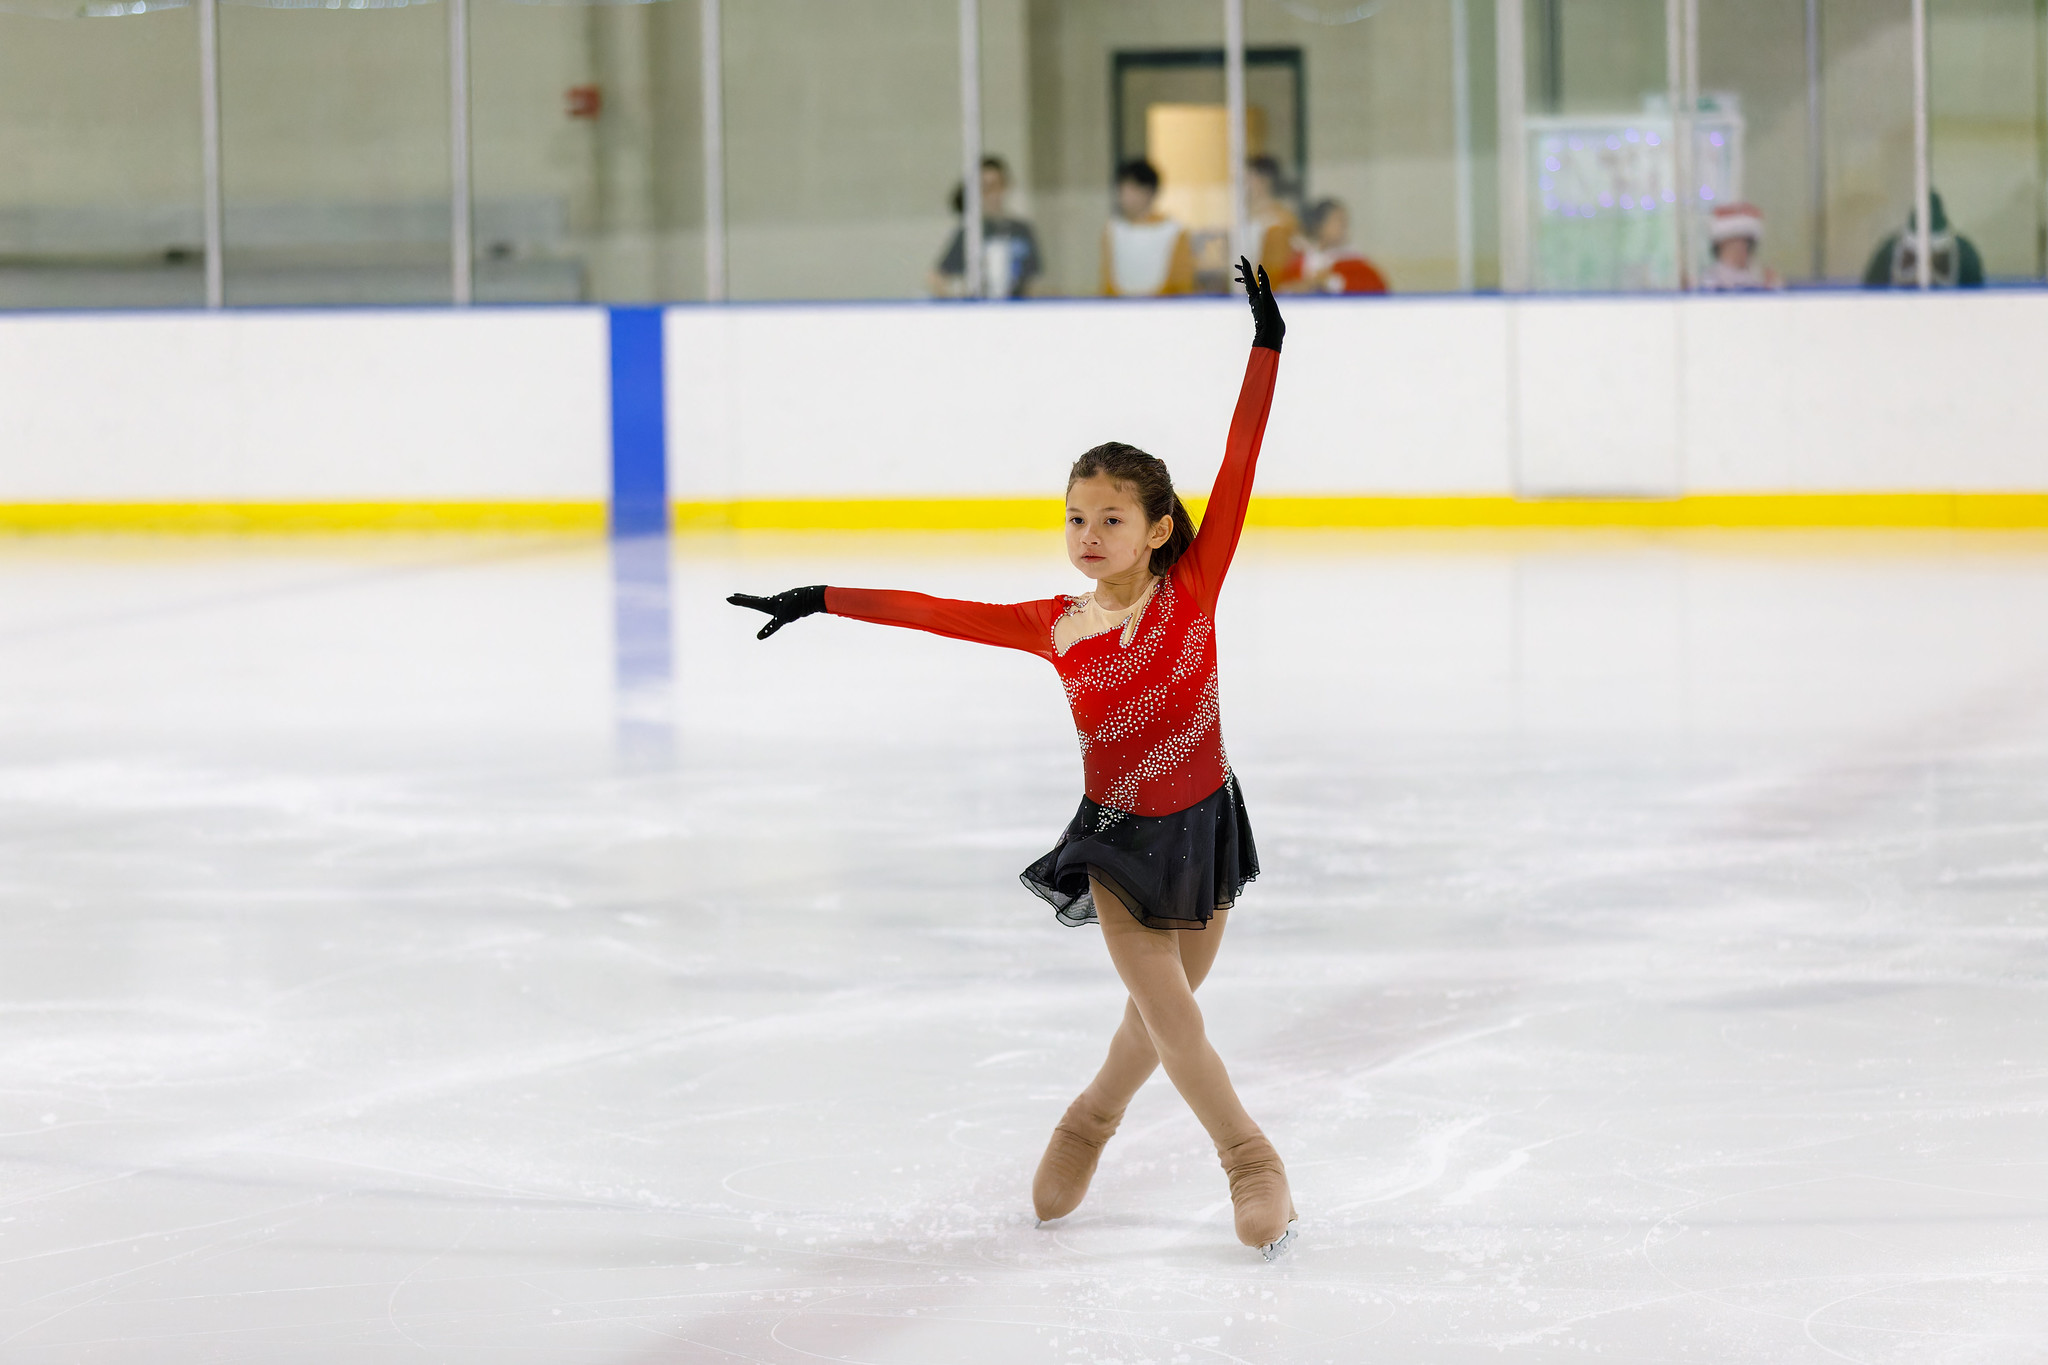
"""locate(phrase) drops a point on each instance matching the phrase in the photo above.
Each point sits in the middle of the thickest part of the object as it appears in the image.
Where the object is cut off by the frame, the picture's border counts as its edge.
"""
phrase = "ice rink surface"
(484, 951)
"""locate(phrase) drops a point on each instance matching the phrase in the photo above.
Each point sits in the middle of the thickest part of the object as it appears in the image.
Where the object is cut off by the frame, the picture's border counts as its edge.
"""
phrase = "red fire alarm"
(585, 101)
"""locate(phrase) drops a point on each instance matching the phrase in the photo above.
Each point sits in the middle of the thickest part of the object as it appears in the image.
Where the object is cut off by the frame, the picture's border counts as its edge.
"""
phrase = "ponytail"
(1176, 544)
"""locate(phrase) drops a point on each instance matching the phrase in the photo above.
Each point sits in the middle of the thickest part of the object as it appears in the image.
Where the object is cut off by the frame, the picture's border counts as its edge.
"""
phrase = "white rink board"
(941, 400)
(1648, 397)
(1596, 397)
(337, 404)
(1545, 396)
(1866, 392)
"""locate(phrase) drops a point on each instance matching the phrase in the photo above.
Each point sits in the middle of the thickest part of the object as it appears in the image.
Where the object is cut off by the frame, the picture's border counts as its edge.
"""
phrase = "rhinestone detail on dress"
(1147, 708)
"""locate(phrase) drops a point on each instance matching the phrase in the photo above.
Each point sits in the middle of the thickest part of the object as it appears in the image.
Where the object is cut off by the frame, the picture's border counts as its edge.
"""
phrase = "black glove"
(785, 607)
(1267, 328)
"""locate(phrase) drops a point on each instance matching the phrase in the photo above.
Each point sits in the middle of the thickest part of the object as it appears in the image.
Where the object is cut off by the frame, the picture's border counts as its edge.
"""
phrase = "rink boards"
(1814, 409)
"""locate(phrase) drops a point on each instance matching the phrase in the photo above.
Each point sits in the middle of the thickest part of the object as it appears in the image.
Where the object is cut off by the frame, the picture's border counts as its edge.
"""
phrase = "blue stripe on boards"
(639, 427)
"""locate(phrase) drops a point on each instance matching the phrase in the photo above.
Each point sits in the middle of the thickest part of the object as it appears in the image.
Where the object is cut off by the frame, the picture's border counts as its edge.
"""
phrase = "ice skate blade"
(1282, 1244)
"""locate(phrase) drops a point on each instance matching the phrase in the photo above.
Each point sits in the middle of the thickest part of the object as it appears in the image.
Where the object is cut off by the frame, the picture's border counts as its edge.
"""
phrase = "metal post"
(1233, 111)
(461, 237)
(1461, 139)
(970, 149)
(1923, 190)
(1816, 146)
(2041, 137)
(211, 208)
(1511, 86)
(1683, 190)
(1691, 95)
(1551, 14)
(1692, 57)
(712, 79)
(1674, 86)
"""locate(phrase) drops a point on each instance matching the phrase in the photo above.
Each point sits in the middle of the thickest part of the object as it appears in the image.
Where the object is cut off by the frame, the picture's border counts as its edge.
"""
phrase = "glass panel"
(1074, 87)
(1368, 143)
(334, 150)
(1867, 137)
(1986, 103)
(587, 131)
(1603, 184)
(842, 145)
(1754, 73)
(1596, 56)
(100, 203)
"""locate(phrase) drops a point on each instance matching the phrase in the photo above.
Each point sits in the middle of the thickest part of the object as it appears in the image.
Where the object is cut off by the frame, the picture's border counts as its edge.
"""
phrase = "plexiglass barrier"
(816, 149)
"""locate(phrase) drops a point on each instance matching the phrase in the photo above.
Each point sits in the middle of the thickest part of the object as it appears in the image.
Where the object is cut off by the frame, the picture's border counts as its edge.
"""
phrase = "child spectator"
(1327, 263)
(1144, 253)
(1009, 248)
(1737, 232)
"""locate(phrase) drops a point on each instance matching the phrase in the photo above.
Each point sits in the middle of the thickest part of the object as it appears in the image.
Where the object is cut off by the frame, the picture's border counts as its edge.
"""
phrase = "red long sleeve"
(1206, 562)
(1145, 701)
(1024, 625)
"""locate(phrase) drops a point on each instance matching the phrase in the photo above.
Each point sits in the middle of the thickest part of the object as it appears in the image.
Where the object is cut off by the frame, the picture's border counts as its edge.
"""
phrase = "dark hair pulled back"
(1146, 476)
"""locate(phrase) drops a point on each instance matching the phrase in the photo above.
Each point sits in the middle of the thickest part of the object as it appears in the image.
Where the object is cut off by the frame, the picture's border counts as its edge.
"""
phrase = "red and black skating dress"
(1162, 824)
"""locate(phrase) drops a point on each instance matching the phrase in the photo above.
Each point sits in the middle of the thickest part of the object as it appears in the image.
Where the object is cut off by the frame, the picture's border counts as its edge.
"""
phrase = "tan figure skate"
(1069, 1161)
(1259, 1196)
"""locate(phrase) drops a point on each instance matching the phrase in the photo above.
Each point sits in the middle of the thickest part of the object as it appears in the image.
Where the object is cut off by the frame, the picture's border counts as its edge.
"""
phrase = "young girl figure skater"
(1161, 846)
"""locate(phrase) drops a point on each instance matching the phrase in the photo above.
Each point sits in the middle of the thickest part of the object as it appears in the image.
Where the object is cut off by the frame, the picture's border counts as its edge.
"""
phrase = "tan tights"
(1162, 1024)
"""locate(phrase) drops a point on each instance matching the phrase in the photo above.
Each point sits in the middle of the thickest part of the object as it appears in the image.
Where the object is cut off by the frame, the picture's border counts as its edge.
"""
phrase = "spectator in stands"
(1273, 224)
(1737, 233)
(1009, 248)
(1144, 253)
(1954, 261)
(1327, 263)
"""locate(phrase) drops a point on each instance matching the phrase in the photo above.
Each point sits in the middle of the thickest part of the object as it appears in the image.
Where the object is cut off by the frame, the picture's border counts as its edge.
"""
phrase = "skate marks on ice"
(363, 1004)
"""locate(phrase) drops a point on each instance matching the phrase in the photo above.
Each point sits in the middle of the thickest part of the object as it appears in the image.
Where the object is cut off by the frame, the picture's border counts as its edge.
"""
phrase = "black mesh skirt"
(1173, 871)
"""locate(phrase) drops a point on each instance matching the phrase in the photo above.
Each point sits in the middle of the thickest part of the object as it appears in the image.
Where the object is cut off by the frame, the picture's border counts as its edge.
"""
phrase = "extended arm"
(1024, 625)
(1208, 559)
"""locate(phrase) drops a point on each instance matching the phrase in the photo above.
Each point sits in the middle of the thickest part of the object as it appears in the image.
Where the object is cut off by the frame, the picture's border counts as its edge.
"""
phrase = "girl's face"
(1107, 535)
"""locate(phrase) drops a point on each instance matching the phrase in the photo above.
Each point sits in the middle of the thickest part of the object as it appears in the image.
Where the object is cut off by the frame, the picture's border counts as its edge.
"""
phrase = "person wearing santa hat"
(1736, 233)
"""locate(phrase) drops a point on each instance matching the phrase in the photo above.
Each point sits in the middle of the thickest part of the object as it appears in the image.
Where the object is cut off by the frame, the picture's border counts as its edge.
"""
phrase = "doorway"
(1167, 106)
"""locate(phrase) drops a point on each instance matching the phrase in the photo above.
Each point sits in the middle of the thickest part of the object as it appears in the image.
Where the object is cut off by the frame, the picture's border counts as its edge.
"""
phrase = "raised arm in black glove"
(1267, 328)
(784, 607)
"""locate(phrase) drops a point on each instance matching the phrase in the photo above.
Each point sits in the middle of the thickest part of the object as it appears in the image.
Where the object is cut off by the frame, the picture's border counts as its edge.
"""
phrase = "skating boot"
(1069, 1161)
(1259, 1195)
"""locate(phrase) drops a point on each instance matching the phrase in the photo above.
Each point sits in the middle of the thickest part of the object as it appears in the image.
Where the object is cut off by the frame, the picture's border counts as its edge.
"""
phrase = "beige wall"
(1380, 131)
(343, 104)
(842, 144)
(98, 113)
(1987, 99)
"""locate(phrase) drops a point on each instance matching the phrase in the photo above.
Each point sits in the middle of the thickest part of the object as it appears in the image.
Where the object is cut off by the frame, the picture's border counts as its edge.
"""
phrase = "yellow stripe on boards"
(2013, 511)
(299, 518)
(1746, 510)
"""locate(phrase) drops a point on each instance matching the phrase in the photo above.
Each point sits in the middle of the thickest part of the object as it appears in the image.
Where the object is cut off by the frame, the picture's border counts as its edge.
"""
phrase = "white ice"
(464, 951)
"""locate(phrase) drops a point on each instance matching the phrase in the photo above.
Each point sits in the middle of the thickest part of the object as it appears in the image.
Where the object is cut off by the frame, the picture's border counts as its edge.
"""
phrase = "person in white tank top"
(1144, 253)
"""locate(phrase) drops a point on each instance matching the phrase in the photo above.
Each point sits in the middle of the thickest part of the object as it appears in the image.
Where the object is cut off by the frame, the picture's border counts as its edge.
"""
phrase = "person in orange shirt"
(1327, 262)
(1144, 253)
